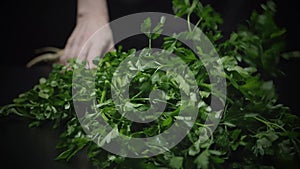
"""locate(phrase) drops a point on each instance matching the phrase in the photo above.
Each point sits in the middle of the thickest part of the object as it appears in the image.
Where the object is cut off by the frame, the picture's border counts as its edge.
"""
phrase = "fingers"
(74, 44)
(96, 45)
(93, 52)
(110, 46)
(97, 50)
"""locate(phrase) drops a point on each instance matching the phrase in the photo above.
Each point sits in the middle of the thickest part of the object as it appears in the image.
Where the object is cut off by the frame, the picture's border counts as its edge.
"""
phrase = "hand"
(85, 44)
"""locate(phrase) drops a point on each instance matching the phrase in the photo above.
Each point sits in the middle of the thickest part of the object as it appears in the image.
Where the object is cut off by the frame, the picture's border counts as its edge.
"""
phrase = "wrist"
(86, 17)
(92, 10)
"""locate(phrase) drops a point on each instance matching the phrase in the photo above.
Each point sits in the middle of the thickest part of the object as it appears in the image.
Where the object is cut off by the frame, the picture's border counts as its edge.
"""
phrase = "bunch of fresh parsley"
(255, 131)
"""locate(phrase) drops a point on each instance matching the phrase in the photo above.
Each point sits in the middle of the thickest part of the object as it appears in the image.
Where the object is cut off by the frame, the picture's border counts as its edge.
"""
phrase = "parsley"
(255, 131)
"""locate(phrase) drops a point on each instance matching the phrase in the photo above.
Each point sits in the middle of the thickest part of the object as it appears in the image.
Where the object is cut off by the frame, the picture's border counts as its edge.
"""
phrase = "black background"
(32, 24)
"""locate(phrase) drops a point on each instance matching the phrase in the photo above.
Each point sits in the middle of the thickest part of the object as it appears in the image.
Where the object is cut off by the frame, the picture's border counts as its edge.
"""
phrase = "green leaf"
(235, 134)
(146, 27)
(111, 135)
(34, 124)
(167, 122)
(229, 124)
(176, 162)
(64, 155)
(202, 161)
(157, 30)
(43, 95)
(291, 55)
(43, 80)
(78, 144)
(217, 160)
(181, 7)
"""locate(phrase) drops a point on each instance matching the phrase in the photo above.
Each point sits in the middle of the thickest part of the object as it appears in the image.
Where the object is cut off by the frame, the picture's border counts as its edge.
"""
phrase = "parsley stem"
(150, 43)
(207, 126)
(189, 22)
(197, 24)
(103, 94)
(269, 123)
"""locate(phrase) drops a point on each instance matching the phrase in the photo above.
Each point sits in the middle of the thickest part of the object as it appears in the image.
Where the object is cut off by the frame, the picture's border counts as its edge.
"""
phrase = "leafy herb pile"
(255, 130)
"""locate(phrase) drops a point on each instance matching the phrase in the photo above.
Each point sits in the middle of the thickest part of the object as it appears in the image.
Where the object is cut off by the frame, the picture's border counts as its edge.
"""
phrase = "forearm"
(92, 8)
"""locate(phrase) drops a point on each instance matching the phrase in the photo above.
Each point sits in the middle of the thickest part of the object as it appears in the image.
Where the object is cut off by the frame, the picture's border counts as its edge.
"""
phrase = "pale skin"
(92, 15)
